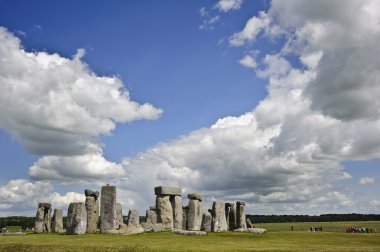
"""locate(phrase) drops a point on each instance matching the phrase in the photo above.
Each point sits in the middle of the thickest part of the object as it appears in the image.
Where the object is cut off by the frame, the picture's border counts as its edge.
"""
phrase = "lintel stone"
(166, 190)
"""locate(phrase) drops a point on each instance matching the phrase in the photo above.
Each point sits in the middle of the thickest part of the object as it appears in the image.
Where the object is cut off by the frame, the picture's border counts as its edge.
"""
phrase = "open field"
(274, 240)
(327, 226)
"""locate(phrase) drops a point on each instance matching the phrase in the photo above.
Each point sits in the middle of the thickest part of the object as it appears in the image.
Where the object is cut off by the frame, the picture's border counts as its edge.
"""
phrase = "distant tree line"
(313, 218)
(24, 222)
(28, 222)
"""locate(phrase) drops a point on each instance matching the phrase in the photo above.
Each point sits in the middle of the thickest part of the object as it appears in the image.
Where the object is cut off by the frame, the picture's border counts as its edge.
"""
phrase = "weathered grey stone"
(76, 219)
(176, 202)
(187, 232)
(151, 217)
(185, 213)
(152, 208)
(166, 190)
(249, 223)
(108, 209)
(146, 226)
(43, 218)
(91, 193)
(164, 211)
(257, 230)
(206, 222)
(119, 215)
(194, 217)
(57, 221)
(45, 205)
(219, 223)
(195, 196)
(232, 217)
(240, 215)
(92, 209)
(240, 230)
(157, 227)
(134, 230)
(227, 207)
(133, 217)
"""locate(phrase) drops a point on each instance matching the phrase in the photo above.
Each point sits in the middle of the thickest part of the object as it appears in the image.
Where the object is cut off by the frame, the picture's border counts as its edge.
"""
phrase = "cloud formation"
(366, 181)
(57, 108)
(228, 5)
(21, 196)
(321, 110)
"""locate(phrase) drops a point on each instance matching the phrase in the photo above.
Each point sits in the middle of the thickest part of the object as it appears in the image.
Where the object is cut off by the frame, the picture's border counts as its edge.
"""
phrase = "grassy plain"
(277, 239)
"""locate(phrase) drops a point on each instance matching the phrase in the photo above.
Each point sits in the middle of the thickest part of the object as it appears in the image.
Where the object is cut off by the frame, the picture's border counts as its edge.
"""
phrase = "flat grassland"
(278, 238)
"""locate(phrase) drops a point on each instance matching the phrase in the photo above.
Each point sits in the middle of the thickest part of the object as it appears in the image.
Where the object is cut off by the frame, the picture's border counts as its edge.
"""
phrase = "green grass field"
(278, 238)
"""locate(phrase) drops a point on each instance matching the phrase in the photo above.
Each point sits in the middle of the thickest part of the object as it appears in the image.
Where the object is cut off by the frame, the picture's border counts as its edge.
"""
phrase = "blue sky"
(254, 130)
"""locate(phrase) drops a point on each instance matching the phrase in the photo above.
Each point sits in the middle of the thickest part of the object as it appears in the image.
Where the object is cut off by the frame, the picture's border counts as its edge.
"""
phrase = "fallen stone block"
(187, 232)
(257, 230)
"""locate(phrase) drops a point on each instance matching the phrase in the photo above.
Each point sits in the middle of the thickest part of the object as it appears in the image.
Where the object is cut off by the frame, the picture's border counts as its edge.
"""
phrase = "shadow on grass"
(47, 248)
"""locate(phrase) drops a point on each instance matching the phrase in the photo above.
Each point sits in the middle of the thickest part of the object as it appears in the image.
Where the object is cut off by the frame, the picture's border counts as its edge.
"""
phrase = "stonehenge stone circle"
(169, 207)
(108, 218)
(92, 208)
(219, 223)
(76, 219)
(57, 221)
(133, 218)
(194, 216)
(168, 213)
(43, 218)
(206, 222)
(240, 215)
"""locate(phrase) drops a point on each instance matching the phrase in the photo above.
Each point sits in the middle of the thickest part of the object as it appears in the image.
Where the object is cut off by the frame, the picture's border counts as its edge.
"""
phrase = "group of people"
(359, 230)
(315, 229)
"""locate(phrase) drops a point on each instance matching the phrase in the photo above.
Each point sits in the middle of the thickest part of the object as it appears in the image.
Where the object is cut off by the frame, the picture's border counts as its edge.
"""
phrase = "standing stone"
(249, 223)
(57, 221)
(227, 207)
(108, 218)
(119, 215)
(232, 217)
(151, 217)
(185, 213)
(194, 218)
(133, 217)
(43, 218)
(164, 211)
(206, 222)
(240, 215)
(76, 219)
(176, 202)
(219, 223)
(169, 207)
(92, 209)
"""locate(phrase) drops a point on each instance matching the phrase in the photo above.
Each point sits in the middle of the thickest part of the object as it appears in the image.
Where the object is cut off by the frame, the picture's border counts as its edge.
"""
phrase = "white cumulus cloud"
(228, 5)
(317, 114)
(57, 108)
(366, 181)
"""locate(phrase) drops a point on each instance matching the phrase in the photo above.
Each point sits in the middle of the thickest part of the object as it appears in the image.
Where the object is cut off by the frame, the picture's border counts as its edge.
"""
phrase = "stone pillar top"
(240, 203)
(91, 193)
(152, 208)
(229, 204)
(194, 196)
(45, 205)
(166, 190)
